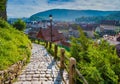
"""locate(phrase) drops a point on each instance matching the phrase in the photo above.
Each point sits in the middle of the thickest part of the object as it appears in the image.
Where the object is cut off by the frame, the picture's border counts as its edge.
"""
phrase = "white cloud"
(25, 8)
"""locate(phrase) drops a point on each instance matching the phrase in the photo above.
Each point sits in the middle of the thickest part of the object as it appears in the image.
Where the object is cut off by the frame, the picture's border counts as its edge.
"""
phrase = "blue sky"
(25, 8)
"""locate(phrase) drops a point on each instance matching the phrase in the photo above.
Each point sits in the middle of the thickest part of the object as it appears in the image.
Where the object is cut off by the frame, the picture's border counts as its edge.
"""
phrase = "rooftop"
(46, 35)
(110, 22)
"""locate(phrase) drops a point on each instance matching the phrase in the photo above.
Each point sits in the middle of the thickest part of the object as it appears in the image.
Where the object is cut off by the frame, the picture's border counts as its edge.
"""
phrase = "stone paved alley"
(42, 69)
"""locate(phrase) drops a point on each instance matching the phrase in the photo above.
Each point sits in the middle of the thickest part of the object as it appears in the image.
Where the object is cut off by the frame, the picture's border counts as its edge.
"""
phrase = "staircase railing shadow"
(59, 78)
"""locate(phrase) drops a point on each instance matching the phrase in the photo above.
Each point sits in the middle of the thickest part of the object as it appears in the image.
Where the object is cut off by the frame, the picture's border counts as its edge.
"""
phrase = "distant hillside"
(98, 19)
(114, 16)
(69, 15)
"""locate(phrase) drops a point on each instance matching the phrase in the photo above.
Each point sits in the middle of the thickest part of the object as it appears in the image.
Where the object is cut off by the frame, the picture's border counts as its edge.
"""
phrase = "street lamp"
(50, 17)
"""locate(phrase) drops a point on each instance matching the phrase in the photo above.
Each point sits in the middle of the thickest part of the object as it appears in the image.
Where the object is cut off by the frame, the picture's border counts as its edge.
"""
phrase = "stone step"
(42, 69)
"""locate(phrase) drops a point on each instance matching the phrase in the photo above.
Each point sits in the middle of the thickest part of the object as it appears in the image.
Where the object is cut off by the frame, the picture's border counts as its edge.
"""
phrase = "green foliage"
(20, 25)
(2, 4)
(14, 45)
(97, 35)
(98, 19)
(114, 16)
(36, 18)
(97, 62)
(65, 47)
(79, 45)
(52, 50)
(117, 30)
(3, 24)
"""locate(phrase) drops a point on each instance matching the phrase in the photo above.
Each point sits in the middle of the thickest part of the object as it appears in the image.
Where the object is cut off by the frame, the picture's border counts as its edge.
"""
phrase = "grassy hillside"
(14, 45)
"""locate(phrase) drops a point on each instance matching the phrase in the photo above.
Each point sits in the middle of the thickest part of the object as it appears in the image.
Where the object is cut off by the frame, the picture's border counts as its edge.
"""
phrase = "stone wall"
(7, 76)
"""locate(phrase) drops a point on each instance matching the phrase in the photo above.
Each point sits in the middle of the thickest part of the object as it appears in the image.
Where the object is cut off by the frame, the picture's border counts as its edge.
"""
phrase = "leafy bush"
(3, 24)
(20, 25)
(14, 45)
(98, 63)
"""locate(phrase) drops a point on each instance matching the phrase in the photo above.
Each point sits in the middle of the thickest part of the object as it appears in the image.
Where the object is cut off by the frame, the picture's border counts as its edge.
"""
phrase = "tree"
(3, 5)
(117, 30)
(98, 63)
(79, 45)
(20, 25)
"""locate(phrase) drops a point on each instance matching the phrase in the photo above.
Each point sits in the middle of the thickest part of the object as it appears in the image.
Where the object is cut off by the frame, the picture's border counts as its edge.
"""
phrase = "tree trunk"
(3, 13)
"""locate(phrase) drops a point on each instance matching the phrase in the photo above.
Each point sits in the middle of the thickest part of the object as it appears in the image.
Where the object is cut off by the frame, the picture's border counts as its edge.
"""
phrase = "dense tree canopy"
(98, 63)
(3, 5)
(20, 25)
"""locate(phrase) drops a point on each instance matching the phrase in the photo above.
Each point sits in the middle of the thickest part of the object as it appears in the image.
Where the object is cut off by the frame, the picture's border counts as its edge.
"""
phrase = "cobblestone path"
(42, 69)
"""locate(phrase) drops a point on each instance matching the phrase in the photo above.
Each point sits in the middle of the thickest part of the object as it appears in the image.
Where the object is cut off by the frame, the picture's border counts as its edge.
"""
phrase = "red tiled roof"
(46, 35)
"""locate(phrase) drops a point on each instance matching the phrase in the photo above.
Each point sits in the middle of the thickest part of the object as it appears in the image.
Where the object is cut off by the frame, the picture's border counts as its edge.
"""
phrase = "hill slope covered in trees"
(69, 15)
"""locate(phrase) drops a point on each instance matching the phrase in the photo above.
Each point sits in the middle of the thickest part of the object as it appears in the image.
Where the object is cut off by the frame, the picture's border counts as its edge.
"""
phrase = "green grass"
(51, 51)
(14, 45)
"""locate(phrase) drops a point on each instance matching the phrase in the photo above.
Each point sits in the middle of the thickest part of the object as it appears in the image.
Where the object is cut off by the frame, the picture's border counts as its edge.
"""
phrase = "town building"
(38, 24)
(109, 27)
(89, 29)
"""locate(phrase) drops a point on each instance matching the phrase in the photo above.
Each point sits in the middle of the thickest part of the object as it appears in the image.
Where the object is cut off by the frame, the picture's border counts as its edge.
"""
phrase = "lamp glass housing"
(50, 16)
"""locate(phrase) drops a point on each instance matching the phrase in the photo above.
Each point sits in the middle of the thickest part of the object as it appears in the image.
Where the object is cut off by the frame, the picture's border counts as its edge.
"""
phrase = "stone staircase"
(42, 69)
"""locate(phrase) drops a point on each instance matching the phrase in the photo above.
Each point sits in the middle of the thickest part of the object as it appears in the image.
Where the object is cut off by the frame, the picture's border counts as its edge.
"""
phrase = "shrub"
(20, 25)
(98, 63)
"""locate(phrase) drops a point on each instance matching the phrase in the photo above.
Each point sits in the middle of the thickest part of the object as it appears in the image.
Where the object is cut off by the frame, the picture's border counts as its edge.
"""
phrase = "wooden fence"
(72, 70)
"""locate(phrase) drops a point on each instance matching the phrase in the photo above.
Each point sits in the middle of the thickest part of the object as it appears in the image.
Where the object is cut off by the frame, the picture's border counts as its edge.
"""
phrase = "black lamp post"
(50, 17)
